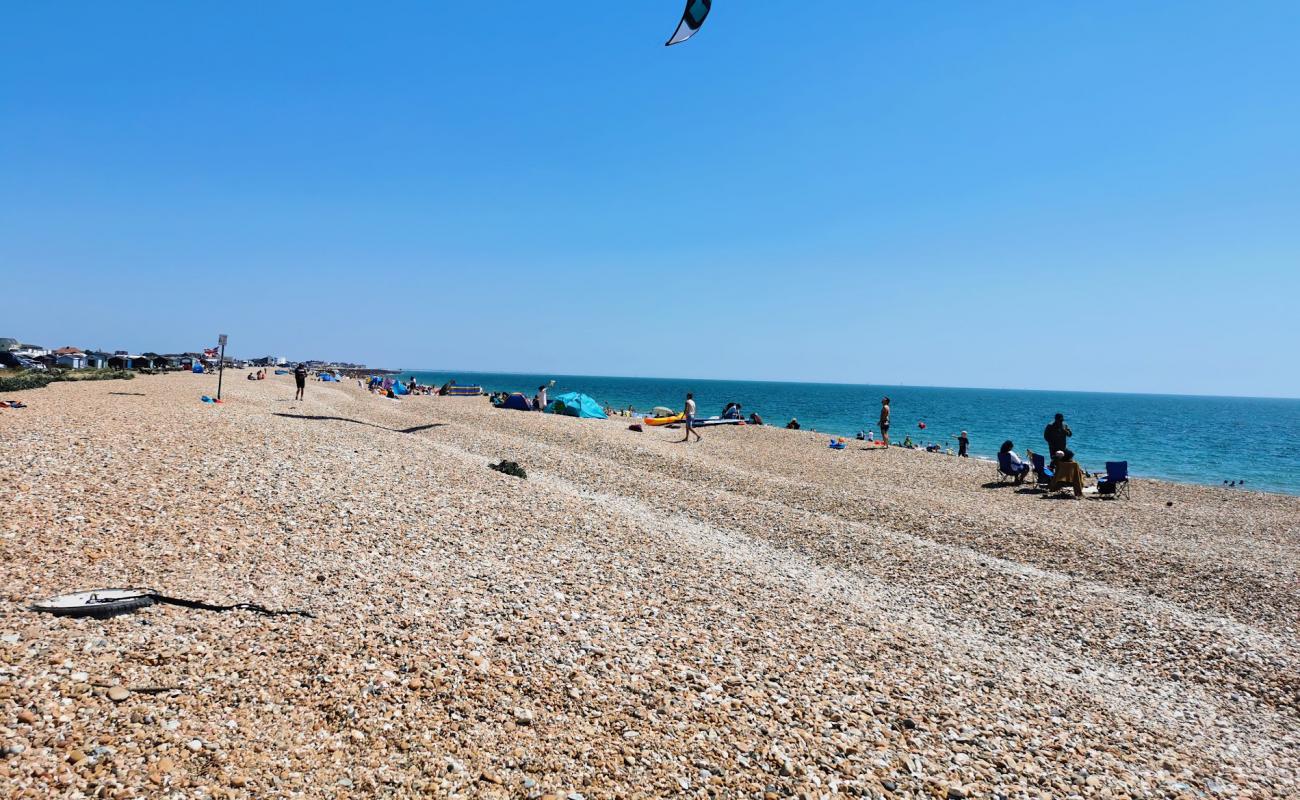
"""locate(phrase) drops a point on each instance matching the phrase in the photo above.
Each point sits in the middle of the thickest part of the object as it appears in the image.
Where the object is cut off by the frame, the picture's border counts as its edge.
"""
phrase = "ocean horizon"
(1204, 439)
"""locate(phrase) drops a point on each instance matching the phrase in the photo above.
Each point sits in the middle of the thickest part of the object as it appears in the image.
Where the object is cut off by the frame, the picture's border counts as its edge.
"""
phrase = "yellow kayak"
(664, 420)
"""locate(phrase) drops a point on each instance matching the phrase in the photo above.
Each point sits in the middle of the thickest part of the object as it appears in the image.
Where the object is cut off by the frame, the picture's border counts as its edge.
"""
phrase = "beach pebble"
(750, 616)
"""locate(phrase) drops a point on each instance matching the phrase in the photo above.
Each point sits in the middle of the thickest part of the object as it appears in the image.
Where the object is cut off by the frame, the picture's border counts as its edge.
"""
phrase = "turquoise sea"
(1183, 438)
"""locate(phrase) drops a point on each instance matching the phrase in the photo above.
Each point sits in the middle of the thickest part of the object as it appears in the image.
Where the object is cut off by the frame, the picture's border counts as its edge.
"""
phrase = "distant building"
(75, 359)
(97, 360)
(31, 351)
(7, 344)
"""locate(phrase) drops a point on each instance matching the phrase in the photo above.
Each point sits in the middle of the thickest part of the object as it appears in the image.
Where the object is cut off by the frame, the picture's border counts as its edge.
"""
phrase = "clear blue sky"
(1100, 195)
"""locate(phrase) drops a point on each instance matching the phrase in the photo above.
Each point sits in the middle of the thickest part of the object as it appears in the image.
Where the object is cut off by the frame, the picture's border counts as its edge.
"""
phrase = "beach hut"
(97, 360)
(576, 404)
(73, 360)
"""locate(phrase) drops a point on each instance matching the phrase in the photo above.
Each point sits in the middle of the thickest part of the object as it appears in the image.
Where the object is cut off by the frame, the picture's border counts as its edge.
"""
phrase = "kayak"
(665, 420)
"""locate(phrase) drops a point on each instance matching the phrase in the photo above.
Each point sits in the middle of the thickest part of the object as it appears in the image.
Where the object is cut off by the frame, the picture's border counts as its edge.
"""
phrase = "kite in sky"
(692, 19)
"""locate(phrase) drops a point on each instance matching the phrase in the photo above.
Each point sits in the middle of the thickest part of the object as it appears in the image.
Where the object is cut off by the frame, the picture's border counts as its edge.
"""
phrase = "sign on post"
(221, 362)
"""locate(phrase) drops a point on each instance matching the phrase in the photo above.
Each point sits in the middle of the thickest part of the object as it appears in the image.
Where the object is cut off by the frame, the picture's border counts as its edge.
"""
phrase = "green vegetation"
(23, 380)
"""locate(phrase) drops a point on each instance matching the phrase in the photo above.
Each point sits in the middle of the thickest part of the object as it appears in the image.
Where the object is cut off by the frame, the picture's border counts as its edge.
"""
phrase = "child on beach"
(963, 442)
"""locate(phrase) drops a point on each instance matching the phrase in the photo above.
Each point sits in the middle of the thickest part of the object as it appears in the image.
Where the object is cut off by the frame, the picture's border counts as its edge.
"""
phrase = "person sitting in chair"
(1067, 472)
(1010, 463)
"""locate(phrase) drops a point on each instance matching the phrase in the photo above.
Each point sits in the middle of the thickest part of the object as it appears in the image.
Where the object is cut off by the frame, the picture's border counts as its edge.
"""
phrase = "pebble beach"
(751, 616)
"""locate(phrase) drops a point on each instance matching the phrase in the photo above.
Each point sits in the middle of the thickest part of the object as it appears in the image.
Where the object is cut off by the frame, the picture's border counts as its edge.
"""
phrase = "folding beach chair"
(1004, 469)
(1042, 473)
(1115, 482)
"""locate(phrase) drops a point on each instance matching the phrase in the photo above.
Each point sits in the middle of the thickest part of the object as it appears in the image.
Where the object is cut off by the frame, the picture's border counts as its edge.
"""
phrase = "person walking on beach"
(963, 442)
(884, 420)
(688, 411)
(541, 398)
(1056, 435)
(300, 378)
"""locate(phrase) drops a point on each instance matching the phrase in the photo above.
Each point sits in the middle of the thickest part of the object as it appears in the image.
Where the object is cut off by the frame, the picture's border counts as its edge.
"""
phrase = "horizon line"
(841, 383)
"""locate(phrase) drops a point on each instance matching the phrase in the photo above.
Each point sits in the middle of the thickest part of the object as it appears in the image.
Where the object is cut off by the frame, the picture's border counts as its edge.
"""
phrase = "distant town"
(19, 355)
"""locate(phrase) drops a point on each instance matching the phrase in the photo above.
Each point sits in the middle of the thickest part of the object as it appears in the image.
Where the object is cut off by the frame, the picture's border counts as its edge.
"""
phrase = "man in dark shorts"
(884, 420)
(300, 378)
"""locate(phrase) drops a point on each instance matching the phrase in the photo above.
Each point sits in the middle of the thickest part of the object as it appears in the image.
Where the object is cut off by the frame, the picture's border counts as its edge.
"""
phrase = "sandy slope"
(751, 615)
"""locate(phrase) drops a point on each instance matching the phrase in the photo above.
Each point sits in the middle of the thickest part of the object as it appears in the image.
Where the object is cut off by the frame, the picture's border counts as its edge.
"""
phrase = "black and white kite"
(692, 19)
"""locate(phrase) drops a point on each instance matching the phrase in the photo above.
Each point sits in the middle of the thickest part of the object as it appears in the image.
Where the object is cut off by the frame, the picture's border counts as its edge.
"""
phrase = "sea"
(1253, 442)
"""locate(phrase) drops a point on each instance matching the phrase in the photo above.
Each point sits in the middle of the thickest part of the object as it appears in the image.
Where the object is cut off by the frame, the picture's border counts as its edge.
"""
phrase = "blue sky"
(1097, 195)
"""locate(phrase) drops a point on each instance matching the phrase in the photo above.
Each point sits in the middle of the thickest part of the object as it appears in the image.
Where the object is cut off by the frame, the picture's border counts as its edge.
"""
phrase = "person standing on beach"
(541, 398)
(300, 378)
(1056, 435)
(963, 442)
(884, 420)
(688, 411)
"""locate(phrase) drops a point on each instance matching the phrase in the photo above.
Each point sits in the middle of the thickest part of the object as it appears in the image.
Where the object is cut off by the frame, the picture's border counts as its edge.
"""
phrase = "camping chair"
(1115, 481)
(1004, 469)
(1042, 473)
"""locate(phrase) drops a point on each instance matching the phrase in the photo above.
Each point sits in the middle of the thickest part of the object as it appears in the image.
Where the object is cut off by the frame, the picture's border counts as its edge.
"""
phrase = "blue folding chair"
(1006, 469)
(1042, 473)
(1115, 482)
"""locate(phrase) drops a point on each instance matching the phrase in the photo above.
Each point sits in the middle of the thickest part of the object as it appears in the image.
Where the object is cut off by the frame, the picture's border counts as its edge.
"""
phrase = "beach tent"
(400, 388)
(517, 402)
(198, 367)
(325, 376)
(576, 404)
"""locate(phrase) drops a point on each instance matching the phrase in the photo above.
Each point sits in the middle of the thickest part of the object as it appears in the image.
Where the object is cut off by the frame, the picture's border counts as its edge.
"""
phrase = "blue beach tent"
(197, 367)
(576, 404)
(400, 388)
(517, 402)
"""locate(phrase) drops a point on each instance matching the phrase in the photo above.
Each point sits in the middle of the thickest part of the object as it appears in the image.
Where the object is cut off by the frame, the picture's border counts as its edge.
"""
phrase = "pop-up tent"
(517, 402)
(400, 388)
(325, 376)
(197, 367)
(576, 404)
